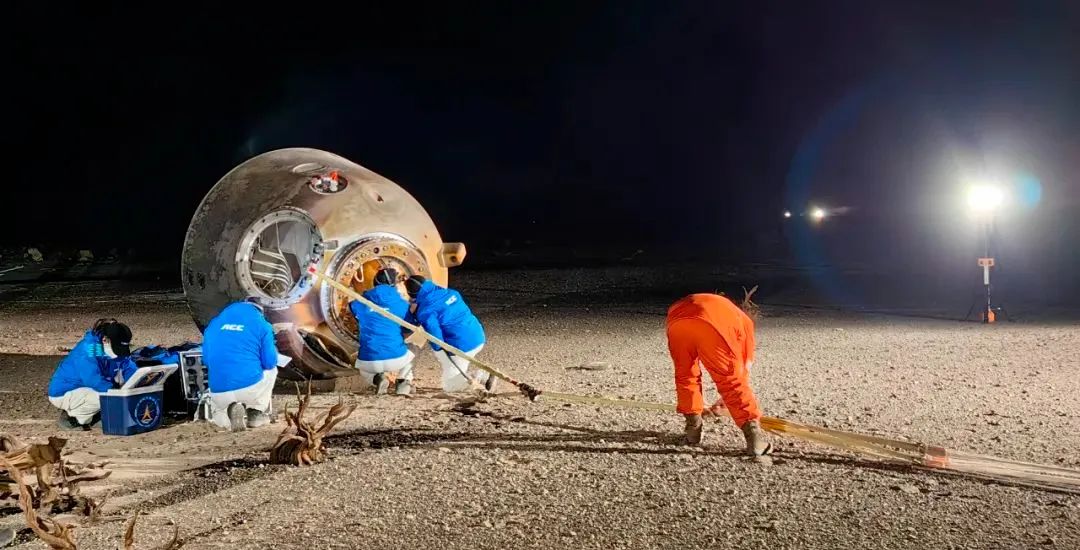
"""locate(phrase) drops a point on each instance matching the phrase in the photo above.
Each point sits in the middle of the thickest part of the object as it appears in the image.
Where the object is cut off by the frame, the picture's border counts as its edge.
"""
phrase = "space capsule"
(265, 222)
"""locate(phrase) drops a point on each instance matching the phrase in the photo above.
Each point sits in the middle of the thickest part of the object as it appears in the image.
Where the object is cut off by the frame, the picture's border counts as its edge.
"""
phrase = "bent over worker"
(382, 347)
(97, 364)
(241, 366)
(442, 313)
(710, 331)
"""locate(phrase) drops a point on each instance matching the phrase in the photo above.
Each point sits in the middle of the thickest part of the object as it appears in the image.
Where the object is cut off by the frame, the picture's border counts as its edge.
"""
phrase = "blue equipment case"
(137, 406)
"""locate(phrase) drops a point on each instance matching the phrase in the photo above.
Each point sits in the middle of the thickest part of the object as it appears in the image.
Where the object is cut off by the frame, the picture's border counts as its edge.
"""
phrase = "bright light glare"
(787, 213)
(985, 198)
(818, 214)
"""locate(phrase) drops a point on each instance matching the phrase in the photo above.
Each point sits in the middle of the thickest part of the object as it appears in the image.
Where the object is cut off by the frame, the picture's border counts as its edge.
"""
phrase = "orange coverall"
(710, 330)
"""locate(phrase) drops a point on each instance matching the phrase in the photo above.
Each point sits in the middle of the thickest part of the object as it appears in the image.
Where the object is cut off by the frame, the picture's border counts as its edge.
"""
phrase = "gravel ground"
(435, 472)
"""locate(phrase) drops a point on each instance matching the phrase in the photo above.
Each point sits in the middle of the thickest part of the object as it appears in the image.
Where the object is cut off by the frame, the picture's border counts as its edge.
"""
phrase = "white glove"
(281, 327)
(417, 338)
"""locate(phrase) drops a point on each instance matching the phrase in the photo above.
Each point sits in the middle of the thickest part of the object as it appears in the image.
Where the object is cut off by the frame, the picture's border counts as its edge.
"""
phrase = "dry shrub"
(748, 306)
(56, 490)
(301, 443)
(56, 534)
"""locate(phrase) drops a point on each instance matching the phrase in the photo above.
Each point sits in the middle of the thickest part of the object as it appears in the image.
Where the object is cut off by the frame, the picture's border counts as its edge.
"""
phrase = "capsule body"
(268, 220)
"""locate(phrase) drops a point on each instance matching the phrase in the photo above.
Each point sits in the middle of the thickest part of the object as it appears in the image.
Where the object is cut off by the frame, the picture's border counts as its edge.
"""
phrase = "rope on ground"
(889, 450)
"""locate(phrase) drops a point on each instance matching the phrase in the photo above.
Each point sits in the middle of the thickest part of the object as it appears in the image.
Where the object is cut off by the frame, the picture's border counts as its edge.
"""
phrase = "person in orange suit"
(710, 331)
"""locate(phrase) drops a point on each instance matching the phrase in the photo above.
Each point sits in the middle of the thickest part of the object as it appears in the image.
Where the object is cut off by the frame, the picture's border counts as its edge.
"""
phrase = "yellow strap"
(917, 454)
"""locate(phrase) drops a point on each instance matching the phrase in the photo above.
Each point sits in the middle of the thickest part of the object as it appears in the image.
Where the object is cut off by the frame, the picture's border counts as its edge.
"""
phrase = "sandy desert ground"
(430, 472)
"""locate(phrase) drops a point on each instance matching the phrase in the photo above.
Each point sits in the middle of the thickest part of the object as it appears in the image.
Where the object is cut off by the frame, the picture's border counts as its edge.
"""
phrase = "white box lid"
(146, 377)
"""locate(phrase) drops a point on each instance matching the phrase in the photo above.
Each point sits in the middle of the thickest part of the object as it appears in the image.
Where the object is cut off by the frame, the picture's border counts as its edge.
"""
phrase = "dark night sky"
(642, 123)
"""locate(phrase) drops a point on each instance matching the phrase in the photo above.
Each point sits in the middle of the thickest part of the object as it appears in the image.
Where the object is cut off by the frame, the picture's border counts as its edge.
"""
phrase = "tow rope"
(919, 455)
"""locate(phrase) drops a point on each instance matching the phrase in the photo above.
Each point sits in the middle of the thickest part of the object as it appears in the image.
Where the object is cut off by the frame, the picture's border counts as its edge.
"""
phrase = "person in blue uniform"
(382, 346)
(100, 362)
(443, 313)
(241, 366)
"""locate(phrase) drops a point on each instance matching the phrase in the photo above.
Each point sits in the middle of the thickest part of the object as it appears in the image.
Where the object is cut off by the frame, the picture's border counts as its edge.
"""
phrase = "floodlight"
(787, 213)
(818, 214)
(985, 198)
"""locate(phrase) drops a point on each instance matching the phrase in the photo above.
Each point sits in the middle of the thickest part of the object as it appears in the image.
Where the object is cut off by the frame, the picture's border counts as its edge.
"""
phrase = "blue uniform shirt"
(443, 314)
(238, 345)
(380, 338)
(87, 366)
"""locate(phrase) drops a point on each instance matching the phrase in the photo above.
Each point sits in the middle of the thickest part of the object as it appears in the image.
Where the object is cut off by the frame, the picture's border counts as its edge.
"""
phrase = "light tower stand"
(987, 311)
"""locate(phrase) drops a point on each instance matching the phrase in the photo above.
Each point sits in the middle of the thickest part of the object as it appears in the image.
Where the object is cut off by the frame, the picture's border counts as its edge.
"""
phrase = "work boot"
(381, 383)
(403, 387)
(693, 429)
(237, 417)
(93, 420)
(257, 419)
(66, 422)
(757, 443)
(491, 383)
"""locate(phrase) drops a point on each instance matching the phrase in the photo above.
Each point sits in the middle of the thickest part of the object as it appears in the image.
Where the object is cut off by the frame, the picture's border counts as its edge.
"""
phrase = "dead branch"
(301, 442)
(129, 536)
(28, 457)
(748, 306)
(57, 535)
(78, 476)
(129, 533)
(56, 478)
(9, 443)
(175, 542)
(93, 515)
(56, 489)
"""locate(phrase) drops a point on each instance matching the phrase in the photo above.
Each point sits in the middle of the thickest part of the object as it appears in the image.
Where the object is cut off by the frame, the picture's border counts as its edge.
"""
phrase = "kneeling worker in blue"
(241, 363)
(382, 346)
(100, 362)
(442, 313)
